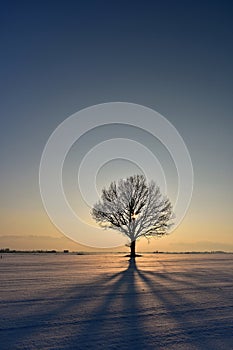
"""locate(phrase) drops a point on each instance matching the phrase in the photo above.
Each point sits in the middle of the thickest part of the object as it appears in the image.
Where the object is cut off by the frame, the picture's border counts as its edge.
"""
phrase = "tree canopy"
(135, 208)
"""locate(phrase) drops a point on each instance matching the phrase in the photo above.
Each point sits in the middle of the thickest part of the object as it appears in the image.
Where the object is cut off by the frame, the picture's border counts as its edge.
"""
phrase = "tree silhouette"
(135, 208)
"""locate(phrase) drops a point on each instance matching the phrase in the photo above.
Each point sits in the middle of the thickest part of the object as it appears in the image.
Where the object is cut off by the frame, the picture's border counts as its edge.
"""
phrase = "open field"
(50, 301)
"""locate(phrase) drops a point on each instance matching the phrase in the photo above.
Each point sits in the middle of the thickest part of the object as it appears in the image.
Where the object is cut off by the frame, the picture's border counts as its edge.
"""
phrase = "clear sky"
(58, 57)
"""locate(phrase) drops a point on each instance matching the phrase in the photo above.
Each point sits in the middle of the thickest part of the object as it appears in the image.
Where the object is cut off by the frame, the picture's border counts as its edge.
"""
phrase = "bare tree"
(134, 208)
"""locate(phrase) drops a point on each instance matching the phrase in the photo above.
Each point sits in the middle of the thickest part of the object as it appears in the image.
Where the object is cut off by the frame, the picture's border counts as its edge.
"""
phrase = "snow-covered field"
(51, 301)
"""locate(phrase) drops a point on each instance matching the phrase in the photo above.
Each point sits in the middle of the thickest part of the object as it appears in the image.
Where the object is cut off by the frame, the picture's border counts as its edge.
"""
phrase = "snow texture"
(50, 301)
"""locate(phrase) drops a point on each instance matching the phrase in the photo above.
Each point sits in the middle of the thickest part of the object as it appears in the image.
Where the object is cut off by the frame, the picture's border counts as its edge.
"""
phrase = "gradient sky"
(58, 57)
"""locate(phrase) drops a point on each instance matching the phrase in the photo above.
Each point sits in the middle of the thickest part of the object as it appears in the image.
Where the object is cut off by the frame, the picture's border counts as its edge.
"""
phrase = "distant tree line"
(8, 250)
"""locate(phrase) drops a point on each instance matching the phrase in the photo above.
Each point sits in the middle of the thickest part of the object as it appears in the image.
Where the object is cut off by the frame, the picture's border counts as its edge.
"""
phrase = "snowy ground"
(167, 302)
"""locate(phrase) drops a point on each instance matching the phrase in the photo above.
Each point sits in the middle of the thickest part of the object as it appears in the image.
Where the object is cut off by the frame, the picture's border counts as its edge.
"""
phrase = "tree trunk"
(132, 249)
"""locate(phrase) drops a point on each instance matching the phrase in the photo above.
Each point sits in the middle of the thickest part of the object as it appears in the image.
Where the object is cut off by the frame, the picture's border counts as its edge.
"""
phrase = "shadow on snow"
(131, 309)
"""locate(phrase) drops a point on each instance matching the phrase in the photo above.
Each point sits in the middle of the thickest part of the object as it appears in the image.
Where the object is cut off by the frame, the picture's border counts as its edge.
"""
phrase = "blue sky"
(173, 56)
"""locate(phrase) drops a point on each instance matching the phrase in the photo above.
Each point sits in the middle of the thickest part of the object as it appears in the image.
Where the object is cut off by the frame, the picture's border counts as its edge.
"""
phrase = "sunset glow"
(166, 69)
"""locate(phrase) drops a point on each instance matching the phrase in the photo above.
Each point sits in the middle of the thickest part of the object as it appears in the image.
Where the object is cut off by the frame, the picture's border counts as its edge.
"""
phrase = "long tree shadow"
(115, 321)
(131, 309)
